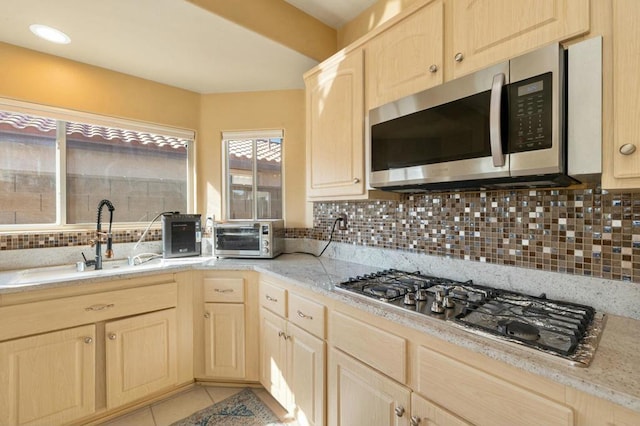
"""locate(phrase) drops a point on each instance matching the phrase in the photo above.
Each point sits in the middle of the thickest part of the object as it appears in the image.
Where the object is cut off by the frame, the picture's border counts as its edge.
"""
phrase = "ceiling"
(170, 41)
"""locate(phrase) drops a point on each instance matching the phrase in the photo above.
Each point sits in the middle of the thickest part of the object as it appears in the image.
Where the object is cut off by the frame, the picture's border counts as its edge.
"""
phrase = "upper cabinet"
(335, 128)
(407, 57)
(489, 31)
(623, 168)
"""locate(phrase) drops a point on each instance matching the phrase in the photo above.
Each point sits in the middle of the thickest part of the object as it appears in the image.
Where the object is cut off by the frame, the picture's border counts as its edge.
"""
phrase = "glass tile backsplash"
(585, 231)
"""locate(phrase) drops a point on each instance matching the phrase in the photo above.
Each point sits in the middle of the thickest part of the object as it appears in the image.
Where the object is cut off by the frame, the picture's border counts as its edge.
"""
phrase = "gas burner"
(564, 329)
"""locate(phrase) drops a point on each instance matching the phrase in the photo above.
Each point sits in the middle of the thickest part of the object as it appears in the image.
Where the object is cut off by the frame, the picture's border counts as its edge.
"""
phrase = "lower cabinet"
(48, 379)
(483, 398)
(359, 395)
(292, 367)
(224, 340)
(141, 356)
(426, 413)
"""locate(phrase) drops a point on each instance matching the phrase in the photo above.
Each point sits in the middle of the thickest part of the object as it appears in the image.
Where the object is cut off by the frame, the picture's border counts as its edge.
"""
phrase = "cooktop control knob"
(421, 294)
(436, 307)
(410, 299)
(439, 296)
(448, 302)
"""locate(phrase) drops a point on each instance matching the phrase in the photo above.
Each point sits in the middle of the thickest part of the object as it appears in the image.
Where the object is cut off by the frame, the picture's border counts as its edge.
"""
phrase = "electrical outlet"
(342, 222)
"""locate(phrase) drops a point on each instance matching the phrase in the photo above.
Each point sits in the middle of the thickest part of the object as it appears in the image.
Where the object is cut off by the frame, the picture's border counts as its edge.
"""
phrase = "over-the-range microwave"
(535, 120)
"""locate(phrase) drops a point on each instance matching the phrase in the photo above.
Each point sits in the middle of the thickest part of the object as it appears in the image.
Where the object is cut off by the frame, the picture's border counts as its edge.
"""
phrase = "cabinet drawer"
(273, 298)
(482, 398)
(229, 290)
(380, 349)
(47, 315)
(306, 314)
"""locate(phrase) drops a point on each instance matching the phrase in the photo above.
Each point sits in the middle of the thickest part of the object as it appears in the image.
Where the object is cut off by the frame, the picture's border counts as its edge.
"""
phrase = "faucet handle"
(88, 262)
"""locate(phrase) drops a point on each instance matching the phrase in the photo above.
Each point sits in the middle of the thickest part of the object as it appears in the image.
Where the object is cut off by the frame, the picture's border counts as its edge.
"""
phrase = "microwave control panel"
(530, 114)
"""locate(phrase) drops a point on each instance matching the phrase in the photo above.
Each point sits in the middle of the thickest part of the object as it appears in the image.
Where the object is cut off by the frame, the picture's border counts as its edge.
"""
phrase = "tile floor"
(170, 410)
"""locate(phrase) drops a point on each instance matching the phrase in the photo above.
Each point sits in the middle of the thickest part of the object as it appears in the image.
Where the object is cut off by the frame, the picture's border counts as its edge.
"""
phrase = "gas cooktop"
(567, 330)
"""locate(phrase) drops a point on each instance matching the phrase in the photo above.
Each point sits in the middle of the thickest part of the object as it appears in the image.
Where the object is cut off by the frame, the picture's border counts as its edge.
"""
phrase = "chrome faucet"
(99, 235)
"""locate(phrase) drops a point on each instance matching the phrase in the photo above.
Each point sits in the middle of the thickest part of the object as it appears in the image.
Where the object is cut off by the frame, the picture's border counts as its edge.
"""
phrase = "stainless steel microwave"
(181, 235)
(535, 120)
(253, 239)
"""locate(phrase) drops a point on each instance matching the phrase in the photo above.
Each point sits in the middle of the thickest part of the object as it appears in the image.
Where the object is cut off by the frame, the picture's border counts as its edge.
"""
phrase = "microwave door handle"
(495, 125)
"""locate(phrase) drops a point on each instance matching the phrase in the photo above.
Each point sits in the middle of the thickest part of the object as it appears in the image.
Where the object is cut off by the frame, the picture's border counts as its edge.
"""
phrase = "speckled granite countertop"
(614, 373)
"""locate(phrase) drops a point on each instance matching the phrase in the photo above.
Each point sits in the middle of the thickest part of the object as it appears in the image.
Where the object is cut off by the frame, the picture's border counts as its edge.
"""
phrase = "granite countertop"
(613, 374)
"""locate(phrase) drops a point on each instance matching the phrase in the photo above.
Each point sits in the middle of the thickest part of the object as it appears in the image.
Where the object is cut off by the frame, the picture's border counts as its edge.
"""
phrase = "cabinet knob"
(433, 68)
(356, 180)
(281, 334)
(112, 336)
(399, 411)
(207, 315)
(459, 57)
(88, 340)
(415, 420)
(627, 149)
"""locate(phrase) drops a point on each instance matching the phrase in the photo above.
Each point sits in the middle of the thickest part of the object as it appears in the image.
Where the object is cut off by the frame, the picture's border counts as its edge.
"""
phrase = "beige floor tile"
(180, 406)
(141, 417)
(221, 393)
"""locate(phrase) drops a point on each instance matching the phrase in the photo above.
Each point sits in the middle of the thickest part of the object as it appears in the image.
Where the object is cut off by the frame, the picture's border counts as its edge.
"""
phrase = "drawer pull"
(99, 307)
(112, 336)
(302, 315)
(271, 299)
(224, 290)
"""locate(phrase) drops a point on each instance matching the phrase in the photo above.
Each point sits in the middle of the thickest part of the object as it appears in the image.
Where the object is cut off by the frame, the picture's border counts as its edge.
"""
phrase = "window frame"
(226, 181)
(65, 115)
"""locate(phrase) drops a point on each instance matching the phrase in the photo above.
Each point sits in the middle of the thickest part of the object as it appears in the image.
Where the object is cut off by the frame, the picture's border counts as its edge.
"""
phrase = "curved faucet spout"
(109, 252)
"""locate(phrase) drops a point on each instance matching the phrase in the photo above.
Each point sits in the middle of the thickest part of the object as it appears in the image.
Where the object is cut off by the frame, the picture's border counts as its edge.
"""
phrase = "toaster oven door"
(237, 240)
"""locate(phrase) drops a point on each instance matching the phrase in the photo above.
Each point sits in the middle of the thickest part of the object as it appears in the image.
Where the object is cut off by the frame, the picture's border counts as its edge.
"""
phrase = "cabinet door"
(335, 129)
(481, 397)
(626, 86)
(273, 356)
(224, 340)
(48, 379)
(140, 356)
(406, 58)
(305, 375)
(490, 31)
(425, 413)
(359, 395)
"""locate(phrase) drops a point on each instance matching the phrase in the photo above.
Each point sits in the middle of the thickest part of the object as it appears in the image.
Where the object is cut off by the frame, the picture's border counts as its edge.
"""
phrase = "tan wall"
(36, 77)
(371, 18)
(253, 111)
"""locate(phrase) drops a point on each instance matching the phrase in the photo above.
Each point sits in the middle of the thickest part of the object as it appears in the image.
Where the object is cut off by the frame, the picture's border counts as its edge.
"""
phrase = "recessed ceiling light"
(50, 34)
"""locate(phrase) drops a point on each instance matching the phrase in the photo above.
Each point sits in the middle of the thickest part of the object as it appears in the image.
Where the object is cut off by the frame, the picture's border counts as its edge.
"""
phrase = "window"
(253, 178)
(55, 171)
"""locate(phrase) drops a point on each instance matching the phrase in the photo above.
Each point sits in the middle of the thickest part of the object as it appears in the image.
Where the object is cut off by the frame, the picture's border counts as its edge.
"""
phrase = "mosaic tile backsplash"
(577, 231)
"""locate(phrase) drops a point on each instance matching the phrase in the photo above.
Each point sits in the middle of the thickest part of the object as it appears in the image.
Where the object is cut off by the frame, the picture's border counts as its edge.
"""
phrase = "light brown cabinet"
(485, 32)
(292, 353)
(480, 397)
(226, 326)
(426, 413)
(625, 148)
(359, 395)
(335, 128)
(49, 378)
(407, 57)
(141, 356)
